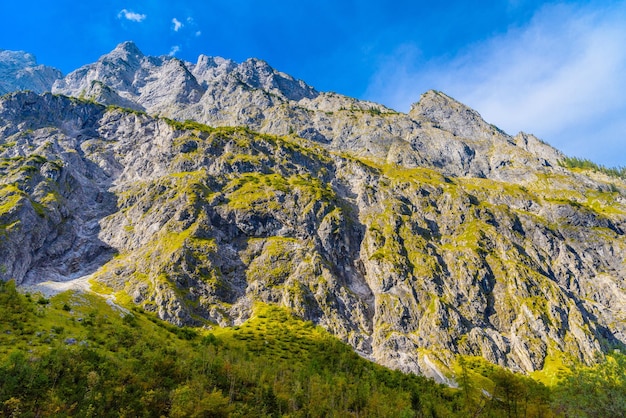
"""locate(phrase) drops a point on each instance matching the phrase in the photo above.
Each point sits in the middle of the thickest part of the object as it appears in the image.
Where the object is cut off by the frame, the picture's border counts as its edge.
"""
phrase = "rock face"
(413, 237)
(19, 71)
(219, 92)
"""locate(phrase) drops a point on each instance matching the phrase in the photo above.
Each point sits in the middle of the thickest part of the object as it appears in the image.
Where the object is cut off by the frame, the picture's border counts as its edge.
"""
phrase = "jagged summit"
(220, 92)
(16, 60)
(19, 71)
(438, 132)
(413, 237)
(438, 108)
(127, 52)
(259, 74)
(206, 63)
(128, 47)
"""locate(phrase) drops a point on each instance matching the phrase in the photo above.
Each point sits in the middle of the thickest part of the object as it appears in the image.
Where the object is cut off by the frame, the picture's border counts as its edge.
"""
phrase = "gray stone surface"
(19, 71)
(414, 237)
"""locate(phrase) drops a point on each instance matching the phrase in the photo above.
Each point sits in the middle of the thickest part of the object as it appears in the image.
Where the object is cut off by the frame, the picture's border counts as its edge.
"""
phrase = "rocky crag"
(19, 71)
(413, 237)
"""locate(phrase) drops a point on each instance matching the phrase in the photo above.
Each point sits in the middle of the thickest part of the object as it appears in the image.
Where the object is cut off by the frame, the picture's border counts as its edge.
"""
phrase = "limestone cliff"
(19, 71)
(452, 239)
(438, 133)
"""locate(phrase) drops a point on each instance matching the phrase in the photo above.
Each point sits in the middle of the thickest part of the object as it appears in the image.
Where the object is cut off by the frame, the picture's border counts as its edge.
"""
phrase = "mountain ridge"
(415, 238)
(255, 95)
(19, 71)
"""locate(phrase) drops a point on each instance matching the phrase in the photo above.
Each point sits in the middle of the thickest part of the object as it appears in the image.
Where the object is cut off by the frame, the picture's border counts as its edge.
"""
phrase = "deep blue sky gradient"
(389, 52)
(333, 45)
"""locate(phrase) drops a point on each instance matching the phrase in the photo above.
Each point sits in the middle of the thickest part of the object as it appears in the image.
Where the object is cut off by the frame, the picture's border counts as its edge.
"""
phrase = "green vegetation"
(243, 151)
(372, 110)
(10, 197)
(81, 100)
(262, 192)
(192, 125)
(276, 262)
(125, 110)
(20, 174)
(6, 145)
(585, 164)
(488, 390)
(598, 391)
(75, 355)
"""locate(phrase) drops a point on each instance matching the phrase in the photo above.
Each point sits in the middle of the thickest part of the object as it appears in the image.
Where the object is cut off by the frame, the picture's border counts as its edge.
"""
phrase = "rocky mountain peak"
(209, 69)
(126, 57)
(116, 71)
(129, 47)
(19, 71)
(205, 62)
(127, 50)
(447, 113)
(438, 132)
(16, 60)
(260, 74)
(414, 237)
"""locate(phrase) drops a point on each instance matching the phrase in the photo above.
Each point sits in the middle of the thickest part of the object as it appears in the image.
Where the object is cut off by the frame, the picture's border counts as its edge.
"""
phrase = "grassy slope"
(77, 355)
(74, 354)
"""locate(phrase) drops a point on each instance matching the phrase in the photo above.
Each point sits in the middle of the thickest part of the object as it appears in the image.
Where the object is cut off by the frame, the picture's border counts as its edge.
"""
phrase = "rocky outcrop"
(438, 133)
(409, 264)
(19, 71)
(50, 206)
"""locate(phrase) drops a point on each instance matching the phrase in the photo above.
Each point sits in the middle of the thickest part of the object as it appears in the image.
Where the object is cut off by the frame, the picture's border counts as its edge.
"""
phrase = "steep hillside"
(409, 265)
(76, 355)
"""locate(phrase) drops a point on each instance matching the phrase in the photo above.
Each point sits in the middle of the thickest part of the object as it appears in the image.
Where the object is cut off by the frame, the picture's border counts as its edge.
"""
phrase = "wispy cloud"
(174, 50)
(177, 24)
(130, 15)
(562, 77)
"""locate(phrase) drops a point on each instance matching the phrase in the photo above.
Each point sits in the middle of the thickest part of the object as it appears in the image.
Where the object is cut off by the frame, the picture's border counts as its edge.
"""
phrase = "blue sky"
(554, 69)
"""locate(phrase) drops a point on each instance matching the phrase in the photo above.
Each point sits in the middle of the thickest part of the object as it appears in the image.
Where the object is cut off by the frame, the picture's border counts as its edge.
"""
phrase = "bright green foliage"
(598, 391)
(585, 164)
(421, 226)
(95, 360)
(10, 197)
(6, 145)
(76, 355)
(111, 108)
(20, 174)
(277, 262)
(265, 192)
(191, 125)
(489, 390)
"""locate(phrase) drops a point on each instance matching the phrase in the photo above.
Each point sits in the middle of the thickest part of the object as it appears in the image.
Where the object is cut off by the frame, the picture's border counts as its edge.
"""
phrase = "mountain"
(219, 92)
(19, 71)
(413, 237)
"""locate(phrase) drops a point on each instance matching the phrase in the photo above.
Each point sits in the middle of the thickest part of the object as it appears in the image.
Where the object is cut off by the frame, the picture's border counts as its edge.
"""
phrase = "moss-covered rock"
(410, 265)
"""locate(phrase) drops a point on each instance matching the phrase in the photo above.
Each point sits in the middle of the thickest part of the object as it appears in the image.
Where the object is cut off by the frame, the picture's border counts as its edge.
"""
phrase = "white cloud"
(198, 33)
(174, 50)
(130, 15)
(177, 24)
(562, 77)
